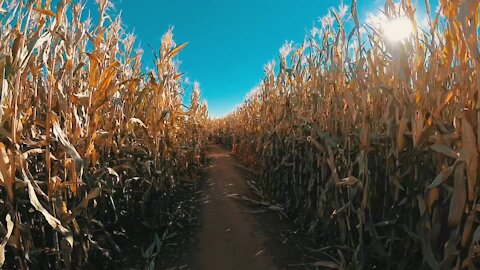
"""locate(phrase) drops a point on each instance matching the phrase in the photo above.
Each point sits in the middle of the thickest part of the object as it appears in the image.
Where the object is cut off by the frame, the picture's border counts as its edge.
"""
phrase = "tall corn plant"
(85, 137)
(373, 145)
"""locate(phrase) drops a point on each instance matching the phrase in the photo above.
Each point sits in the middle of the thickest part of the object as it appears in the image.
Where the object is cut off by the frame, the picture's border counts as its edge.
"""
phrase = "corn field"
(372, 145)
(90, 145)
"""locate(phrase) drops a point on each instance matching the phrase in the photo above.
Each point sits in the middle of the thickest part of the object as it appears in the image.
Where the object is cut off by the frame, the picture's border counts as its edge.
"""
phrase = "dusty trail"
(229, 237)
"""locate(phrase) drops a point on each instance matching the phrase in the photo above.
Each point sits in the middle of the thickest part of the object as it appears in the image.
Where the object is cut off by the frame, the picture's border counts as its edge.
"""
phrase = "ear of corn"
(372, 145)
(86, 140)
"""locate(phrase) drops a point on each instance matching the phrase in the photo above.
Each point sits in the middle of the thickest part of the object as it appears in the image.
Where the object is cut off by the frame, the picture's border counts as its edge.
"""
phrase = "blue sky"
(229, 41)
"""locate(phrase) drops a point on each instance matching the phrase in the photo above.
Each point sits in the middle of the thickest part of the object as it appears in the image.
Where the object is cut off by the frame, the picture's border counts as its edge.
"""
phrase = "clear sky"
(230, 41)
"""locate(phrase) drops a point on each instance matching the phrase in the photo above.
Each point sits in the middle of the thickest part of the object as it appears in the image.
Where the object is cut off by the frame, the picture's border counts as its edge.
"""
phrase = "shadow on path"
(229, 237)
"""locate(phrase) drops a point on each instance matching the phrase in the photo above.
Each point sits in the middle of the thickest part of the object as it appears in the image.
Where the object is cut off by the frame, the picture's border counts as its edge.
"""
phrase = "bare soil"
(229, 237)
(233, 235)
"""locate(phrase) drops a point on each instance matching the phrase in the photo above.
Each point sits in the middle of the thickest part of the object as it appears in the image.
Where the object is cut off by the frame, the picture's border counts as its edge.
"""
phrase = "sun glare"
(393, 30)
(397, 29)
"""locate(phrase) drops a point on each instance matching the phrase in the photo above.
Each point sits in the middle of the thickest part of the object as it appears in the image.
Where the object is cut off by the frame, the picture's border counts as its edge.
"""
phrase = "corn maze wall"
(90, 147)
(372, 145)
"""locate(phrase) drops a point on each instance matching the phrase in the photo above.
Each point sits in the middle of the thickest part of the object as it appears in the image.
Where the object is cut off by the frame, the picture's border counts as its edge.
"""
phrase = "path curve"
(230, 237)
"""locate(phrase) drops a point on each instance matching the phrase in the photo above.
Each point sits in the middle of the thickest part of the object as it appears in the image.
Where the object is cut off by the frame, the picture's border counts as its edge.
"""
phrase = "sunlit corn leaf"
(5, 239)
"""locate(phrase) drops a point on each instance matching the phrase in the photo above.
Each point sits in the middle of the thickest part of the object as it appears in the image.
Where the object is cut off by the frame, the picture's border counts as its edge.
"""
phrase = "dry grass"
(86, 140)
(374, 145)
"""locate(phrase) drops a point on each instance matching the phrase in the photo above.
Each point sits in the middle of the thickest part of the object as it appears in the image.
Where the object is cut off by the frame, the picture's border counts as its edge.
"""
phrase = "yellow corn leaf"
(46, 12)
(457, 202)
(470, 154)
(5, 239)
(176, 50)
(6, 171)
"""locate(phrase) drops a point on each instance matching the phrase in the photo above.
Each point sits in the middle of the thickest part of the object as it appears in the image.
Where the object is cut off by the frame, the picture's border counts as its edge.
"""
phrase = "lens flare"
(397, 29)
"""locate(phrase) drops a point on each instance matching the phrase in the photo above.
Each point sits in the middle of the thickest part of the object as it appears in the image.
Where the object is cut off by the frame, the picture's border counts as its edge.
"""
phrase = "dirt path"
(229, 237)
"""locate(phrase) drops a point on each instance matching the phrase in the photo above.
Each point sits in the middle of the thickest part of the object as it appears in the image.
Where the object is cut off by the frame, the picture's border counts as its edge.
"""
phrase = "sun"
(393, 29)
(397, 29)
